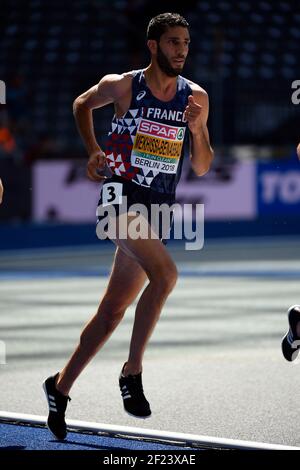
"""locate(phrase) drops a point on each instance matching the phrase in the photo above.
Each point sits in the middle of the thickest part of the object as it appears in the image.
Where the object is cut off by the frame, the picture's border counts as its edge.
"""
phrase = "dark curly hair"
(159, 24)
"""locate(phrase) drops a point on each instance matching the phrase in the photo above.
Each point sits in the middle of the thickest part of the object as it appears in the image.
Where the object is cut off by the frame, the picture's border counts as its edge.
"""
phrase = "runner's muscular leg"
(126, 280)
(155, 260)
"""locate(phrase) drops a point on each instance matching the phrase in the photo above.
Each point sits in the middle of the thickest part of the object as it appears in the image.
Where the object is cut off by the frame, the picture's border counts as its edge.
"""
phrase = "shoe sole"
(55, 437)
(138, 417)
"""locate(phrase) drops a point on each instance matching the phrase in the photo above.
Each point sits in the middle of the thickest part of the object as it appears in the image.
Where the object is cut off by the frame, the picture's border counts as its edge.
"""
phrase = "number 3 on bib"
(112, 193)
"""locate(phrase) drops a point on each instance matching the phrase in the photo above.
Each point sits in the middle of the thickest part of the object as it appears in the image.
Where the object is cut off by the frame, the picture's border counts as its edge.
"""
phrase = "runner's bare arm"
(196, 114)
(1, 190)
(110, 89)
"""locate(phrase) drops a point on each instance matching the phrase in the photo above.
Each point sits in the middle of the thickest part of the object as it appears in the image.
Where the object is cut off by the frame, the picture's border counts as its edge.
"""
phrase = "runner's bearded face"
(172, 51)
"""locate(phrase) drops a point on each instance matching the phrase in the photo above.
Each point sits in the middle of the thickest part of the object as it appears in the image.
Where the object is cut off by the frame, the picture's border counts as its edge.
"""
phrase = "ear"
(152, 46)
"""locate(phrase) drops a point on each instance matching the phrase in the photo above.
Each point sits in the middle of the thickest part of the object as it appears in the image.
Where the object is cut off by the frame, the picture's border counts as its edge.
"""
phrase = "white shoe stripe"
(52, 409)
(52, 397)
(126, 396)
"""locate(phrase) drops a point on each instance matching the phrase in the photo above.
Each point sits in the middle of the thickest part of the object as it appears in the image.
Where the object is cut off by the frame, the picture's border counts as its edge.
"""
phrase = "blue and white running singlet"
(146, 145)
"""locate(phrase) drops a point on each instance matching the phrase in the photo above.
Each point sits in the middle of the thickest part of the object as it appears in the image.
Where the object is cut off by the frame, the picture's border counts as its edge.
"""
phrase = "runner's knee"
(164, 276)
(105, 322)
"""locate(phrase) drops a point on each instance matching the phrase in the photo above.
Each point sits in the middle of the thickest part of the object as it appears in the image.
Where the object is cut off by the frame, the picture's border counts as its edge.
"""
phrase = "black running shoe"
(291, 341)
(134, 401)
(57, 406)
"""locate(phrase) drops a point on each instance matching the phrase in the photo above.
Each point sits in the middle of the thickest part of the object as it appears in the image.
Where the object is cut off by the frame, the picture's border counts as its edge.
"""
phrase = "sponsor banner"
(228, 191)
(278, 188)
(63, 193)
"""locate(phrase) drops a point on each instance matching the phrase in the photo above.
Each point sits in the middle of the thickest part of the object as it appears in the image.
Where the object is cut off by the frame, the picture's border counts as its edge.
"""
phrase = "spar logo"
(180, 134)
(161, 130)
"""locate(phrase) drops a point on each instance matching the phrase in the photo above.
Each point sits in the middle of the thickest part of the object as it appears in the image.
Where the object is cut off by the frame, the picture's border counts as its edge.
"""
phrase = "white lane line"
(149, 433)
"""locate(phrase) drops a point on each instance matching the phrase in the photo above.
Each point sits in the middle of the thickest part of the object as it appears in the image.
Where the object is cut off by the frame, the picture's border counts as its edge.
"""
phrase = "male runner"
(290, 344)
(146, 166)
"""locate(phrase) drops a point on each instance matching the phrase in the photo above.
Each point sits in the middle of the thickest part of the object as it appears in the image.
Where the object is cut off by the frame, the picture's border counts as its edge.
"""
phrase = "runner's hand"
(96, 165)
(193, 116)
(298, 151)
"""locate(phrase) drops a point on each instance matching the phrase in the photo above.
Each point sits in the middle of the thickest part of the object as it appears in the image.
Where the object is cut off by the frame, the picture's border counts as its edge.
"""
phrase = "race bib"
(157, 146)
(112, 193)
